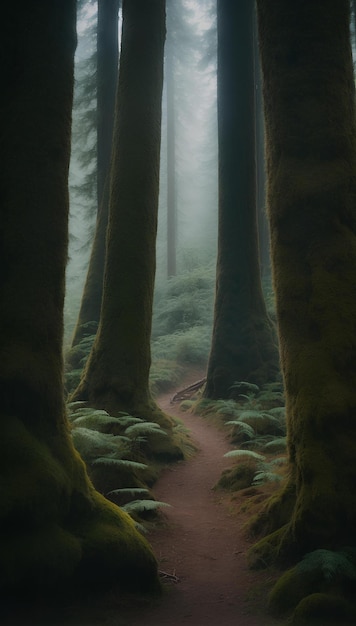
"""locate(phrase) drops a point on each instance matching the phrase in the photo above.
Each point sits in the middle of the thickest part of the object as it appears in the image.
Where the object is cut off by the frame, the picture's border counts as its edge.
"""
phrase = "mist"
(191, 35)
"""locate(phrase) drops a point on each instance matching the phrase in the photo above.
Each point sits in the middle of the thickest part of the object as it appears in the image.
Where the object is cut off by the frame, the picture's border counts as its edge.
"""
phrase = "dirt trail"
(203, 545)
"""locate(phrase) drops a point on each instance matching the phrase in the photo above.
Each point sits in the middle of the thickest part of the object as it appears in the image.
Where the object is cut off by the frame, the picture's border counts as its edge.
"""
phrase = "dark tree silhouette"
(55, 530)
(243, 344)
(311, 139)
(107, 70)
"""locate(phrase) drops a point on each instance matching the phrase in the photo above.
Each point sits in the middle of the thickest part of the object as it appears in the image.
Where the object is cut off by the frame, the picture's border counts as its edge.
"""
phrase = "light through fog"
(196, 149)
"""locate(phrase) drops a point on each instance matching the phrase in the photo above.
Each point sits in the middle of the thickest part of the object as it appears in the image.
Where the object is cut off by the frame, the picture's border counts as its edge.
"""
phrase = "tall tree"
(106, 79)
(116, 376)
(262, 220)
(71, 533)
(243, 345)
(171, 145)
(311, 137)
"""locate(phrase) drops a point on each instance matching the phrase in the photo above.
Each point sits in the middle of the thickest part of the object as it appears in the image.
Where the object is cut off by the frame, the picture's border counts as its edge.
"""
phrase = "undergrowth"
(256, 423)
(113, 450)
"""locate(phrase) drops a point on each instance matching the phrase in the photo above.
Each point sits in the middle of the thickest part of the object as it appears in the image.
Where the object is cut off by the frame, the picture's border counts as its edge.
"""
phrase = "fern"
(276, 445)
(140, 506)
(243, 428)
(146, 428)
(245, 453)
(246, 387)
(258, 415)
(111, 461)
(330, 564)
(226, 407)
(92, 443)
(266, 477)
(128, 491)
(95, 422)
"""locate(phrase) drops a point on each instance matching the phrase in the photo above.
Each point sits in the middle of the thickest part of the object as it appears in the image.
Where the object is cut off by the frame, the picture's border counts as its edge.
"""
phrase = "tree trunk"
(311, 137)
(55, 529)
(262, 220)
(107, 69)
(171, 158)
(116, 377)
(243, 345)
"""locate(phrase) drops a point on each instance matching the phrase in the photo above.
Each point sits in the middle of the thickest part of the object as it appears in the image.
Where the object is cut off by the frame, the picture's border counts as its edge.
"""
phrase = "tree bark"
(311, 138)
(243, 343)
(107, 70)
(116, 377)
(171, 156)
(55, 529)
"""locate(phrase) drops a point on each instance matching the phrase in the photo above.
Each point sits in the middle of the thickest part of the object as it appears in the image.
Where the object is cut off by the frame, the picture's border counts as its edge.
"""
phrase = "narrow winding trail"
(203, 544)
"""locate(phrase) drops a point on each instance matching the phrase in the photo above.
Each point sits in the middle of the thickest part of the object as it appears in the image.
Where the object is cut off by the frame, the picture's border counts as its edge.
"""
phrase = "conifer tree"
(243, 343)
(309, 100)
(56, 531)
(116, 376)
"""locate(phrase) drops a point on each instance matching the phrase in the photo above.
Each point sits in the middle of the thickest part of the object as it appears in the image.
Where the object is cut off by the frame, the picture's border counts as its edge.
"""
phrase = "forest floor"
(203, 543)
(200, 546)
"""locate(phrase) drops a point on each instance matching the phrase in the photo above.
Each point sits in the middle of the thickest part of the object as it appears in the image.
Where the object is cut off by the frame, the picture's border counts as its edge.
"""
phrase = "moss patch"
(56, 530)
(236, 478)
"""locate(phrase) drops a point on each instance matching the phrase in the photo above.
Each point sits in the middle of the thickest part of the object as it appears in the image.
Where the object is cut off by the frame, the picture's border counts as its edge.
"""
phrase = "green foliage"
(257, 420)
(266, 471)
(238, 477)
(118, 463)
(330, 565)
(243, 387)
(76, 359)
(184, 347)
(318, 588)
(140, 506)
(144, 428)
(244, 453)
(243, 428)
(279, 444)
(114, 452)
(184, 301)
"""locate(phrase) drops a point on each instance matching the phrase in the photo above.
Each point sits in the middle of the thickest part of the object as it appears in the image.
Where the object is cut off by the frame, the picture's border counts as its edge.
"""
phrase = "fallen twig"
(171, 577)
(187, 392)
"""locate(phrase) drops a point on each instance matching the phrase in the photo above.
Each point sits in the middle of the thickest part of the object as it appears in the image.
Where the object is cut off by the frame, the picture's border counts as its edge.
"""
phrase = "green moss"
(56, 530)
(40, 557)
(113, 547)
(266, 552)
(29, 490)
(290, 589)
(321, 609)
(236, 478)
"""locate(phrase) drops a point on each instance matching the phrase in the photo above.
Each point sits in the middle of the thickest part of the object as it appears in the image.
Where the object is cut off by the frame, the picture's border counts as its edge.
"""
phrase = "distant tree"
(116, 376)
(171, 142)
(56, 531)
(243, 342)
(309, 100)
(106, 79)
(262, 220)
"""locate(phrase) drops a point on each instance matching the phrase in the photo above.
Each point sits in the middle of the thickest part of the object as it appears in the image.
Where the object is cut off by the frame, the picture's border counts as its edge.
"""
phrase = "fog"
(193, 38)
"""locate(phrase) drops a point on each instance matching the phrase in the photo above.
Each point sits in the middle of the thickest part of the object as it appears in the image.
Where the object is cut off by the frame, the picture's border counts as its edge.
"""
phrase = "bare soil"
(201, 549)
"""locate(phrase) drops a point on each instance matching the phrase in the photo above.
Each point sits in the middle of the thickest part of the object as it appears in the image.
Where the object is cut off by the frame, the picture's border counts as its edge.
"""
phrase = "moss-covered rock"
(320, 609)
(236, 478)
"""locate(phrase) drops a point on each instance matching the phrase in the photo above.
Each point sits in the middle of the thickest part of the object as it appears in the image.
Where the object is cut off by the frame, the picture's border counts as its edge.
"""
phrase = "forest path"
(203, 543)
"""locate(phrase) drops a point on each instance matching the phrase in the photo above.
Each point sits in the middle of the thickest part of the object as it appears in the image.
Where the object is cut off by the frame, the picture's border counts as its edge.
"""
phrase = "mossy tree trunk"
(116, 377)
(311, 136)
(55, 530)
(243, 343)
(107, 69)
